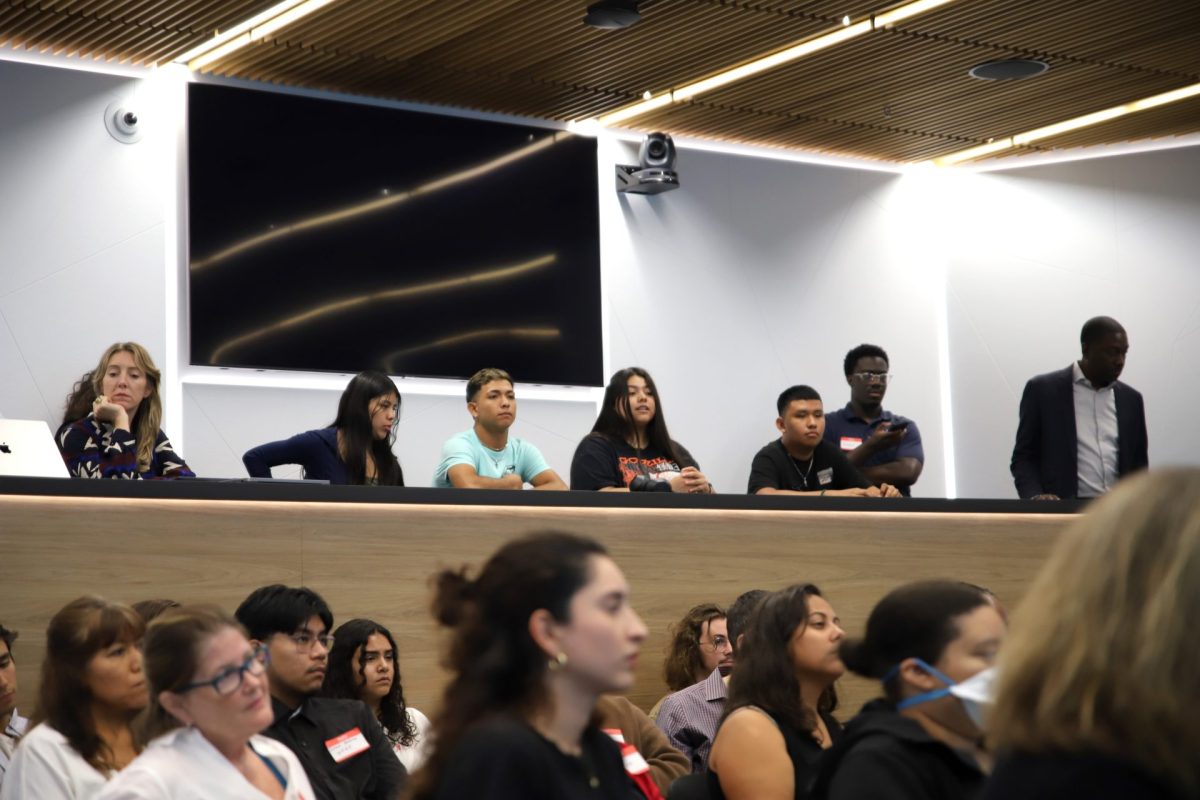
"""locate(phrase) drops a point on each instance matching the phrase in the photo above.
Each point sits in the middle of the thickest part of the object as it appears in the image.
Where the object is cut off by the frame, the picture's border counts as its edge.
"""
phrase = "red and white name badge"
(347, 745)
(850, 442)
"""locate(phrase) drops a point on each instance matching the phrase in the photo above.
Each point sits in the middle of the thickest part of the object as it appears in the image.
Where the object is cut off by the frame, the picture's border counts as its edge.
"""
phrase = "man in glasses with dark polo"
(885, 447)
(341, 745)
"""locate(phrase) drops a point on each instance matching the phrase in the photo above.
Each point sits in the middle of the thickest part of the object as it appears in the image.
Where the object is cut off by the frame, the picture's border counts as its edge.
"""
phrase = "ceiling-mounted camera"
(122, 122)
(656, 172)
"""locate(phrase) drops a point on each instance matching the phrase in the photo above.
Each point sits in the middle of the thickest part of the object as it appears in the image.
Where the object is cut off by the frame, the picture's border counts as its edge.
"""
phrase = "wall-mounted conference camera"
(656, 173)
(122, 122)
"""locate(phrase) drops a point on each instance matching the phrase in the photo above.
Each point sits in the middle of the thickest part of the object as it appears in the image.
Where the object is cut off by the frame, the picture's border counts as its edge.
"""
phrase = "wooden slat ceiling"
(900, 94)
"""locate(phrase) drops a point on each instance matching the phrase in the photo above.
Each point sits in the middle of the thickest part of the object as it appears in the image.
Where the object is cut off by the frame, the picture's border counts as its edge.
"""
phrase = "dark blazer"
(1044, 456)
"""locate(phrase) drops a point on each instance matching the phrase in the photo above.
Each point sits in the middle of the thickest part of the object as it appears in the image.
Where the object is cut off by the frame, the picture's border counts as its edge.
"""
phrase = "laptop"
(27, 448)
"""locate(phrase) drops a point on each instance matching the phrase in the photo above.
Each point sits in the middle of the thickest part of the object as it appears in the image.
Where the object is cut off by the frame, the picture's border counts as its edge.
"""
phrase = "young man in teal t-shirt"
(485, 456)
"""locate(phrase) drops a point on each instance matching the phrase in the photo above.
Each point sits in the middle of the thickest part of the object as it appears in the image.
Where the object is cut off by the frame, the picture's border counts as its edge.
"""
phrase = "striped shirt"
(689, 718)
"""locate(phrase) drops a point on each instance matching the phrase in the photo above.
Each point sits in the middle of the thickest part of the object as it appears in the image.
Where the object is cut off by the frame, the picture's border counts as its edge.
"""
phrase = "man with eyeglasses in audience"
(690, 717)
(339, 742)
(885, 447)
(12, 724)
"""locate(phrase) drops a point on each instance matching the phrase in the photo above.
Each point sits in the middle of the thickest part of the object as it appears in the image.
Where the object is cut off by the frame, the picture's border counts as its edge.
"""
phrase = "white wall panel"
(81, 234)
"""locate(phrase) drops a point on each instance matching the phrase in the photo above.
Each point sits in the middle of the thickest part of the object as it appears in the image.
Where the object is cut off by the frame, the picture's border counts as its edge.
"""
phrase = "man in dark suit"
(1081, 429)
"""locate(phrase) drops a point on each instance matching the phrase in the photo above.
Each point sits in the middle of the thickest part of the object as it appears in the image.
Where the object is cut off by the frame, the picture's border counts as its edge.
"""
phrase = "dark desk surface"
(299, 492)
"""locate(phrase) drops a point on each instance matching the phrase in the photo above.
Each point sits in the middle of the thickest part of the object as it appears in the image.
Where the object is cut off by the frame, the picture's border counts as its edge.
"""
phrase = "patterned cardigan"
(94, 449)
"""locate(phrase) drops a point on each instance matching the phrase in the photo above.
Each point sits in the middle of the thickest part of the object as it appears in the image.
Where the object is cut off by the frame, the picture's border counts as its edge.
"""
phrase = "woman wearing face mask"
(364, 665)
(629, 449)
(1097, 693)
(918, 741)
(779, 715)
(209, 700)
(120, 436)
(355, 449)
(538, 636)
(92, 688)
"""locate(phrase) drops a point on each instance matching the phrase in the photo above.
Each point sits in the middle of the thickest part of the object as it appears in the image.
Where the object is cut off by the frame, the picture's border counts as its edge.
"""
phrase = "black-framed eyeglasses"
(718, 643)
(305, 640)
(867, 377)
(230, 680)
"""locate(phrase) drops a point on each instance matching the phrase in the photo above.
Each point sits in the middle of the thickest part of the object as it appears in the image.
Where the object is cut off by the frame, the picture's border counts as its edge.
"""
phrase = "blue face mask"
(924, 697)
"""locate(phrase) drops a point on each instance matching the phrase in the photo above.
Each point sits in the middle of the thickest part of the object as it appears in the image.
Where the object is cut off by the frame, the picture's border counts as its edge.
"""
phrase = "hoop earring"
(558, 662)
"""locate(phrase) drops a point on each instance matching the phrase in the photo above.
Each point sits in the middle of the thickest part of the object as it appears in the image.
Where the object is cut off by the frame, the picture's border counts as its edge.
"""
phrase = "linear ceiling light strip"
(255, 29)
(1073, 124)
(776, 59)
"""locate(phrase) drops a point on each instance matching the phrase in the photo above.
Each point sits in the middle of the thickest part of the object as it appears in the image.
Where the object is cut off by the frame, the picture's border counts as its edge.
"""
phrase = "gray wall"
(757, 274)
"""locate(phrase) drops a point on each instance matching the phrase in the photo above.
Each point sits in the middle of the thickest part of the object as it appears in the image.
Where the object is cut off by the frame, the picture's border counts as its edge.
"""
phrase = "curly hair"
(351, 638)
(497, 666)
(684, 659)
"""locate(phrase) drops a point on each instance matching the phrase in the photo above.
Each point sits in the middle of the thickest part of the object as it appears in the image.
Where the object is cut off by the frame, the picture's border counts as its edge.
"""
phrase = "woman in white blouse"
(209, 700)
(364, 664)
(92, 687)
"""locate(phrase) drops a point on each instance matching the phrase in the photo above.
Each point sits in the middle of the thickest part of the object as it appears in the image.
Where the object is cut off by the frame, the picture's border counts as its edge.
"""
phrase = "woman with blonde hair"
(209, 701)
(92, 688)
(1098, 689)
(120, 437)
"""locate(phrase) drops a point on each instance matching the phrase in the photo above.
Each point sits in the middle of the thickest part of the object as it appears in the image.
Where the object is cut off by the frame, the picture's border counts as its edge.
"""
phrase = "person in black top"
(339, 742)
(800, 461)
(779, 717)
(629, 449)
(1096, 695)
(918, 742)
(543, 631)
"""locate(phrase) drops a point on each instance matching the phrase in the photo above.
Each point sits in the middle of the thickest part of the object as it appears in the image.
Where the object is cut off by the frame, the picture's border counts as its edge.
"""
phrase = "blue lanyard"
(271, 766)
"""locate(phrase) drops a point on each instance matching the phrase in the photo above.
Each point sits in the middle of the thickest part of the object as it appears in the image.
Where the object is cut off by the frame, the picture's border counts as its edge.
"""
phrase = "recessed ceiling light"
(1009, 69)
(612, 14)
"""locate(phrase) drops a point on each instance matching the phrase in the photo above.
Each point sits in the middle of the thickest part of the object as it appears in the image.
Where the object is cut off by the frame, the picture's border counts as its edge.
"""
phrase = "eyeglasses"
(867, 377)
(230, 680)
(305, 640)
(718, 643)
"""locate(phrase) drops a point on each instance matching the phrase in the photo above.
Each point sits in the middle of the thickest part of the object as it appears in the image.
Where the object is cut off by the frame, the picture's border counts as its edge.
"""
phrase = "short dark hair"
(8, 637)
(1097, 328)
(739, 613)
(281, 609)
(483, 377)
(863, 351)
(794, 393)
(916, 620)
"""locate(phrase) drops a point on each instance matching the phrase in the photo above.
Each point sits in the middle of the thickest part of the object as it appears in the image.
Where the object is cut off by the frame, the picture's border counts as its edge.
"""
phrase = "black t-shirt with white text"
(828, 469)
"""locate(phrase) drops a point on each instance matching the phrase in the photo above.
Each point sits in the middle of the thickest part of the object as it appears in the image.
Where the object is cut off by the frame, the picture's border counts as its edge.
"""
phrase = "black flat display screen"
(338, 236)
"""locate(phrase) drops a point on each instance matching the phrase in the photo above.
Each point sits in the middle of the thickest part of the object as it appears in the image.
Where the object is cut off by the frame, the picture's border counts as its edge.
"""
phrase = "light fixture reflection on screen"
(470, 336)
(402, 293)
(377, 204)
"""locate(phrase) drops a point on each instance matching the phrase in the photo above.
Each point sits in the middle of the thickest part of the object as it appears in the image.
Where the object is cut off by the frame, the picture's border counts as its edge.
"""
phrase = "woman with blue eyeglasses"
(208, 702)
(920, 741)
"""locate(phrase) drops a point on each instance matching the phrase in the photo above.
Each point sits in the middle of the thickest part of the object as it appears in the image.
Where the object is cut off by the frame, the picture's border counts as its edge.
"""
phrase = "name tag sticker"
(634, 763)
(347, 745)
(825, 476)
(850, 442)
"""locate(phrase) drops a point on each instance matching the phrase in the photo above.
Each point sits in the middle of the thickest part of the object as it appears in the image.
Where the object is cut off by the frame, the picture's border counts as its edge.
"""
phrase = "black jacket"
(1044, 455)
(883, 755)
(373, 774)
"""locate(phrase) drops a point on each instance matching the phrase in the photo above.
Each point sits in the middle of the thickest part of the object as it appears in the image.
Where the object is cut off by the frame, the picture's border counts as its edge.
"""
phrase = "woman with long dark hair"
(919, 741)
(778, 720)
(629, 448)
(92, 688)
(543, 631)
(355, 449)
(111, 425)
(364, 664)
(209, 702)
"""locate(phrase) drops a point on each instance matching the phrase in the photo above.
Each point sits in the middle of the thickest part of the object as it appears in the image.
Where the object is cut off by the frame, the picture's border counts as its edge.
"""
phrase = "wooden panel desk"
(371, 552)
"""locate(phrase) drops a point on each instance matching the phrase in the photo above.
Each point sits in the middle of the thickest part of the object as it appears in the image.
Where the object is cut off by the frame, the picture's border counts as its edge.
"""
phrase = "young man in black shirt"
(339, 742)
(801, 461)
